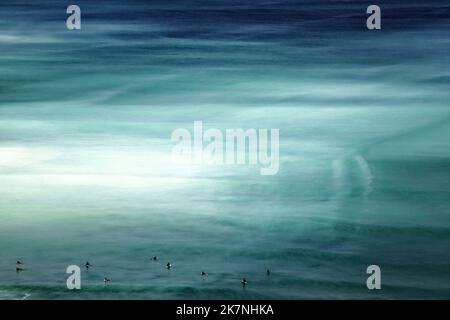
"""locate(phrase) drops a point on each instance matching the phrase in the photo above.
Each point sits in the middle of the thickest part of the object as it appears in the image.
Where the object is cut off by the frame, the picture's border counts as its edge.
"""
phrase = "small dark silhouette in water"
(19, 269)
(168, 265)
(106, 280)
(87, 265)
(244, 282)
(155, 258)
(19, 262)
(268, 272)
(204, 273)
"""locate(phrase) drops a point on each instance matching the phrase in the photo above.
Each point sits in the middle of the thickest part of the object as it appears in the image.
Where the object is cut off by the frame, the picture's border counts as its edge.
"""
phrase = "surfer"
(268, 272)
(204, 273)
(106, 280)
(244, 282)
(155, 258)
(19, 262)
(19, 269)
(168, 265)
(87, 265)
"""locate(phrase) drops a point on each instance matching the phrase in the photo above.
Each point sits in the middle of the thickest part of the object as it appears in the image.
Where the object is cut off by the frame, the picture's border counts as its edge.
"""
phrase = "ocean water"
(85, 172)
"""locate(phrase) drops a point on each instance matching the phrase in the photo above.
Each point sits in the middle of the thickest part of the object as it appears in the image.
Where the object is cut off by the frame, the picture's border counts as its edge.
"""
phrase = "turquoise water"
(85, 171)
